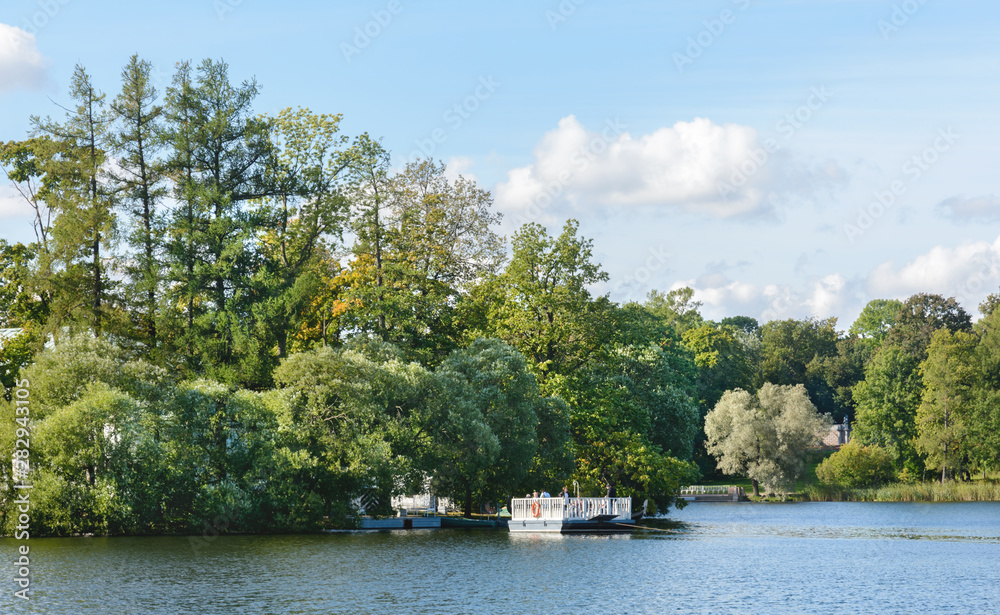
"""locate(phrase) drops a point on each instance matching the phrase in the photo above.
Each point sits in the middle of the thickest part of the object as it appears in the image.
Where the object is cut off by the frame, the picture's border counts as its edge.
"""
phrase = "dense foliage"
(247, 322)
(856, 465)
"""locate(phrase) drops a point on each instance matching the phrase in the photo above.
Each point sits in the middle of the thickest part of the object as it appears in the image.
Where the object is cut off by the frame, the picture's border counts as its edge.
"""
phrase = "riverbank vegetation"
(247, 323)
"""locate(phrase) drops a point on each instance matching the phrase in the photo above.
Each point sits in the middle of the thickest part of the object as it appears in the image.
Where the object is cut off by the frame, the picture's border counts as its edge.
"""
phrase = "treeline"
(257, 319)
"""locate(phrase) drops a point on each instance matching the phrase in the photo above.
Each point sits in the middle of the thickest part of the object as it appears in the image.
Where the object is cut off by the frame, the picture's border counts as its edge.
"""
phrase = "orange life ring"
(536, 509)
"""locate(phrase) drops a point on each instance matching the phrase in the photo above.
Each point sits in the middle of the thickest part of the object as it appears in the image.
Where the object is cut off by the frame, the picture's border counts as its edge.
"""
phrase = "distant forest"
(256, 319)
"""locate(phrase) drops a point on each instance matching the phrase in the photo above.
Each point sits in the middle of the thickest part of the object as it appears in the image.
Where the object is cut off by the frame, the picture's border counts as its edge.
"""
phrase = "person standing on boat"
(545, 494)
(612, 494)
(565, 498)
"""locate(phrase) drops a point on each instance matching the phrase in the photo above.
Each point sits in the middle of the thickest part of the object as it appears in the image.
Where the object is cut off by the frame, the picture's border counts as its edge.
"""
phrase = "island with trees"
(260, 319)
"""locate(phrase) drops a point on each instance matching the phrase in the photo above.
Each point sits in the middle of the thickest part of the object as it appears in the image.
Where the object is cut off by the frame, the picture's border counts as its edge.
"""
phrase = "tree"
(218, 160)
(764, 436)
(677, 308)
(922, 315)
(422, 241)
(84, 230)
(298, 228)
(876, 319)
(946, 405)
(360, 414)
(856, 465)
(540, 304)
(746, 324)
(138, 179)
(886, 405)
(722, 360)
(505, 393)
(789, 346)
(634, 421)
(830, 379)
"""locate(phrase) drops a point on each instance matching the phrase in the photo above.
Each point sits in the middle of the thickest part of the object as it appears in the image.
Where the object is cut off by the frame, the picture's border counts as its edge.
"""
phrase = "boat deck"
(572, 515)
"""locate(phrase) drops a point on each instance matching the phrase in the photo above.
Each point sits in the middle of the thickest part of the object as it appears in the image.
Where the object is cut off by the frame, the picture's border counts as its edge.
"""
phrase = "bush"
(856, 466)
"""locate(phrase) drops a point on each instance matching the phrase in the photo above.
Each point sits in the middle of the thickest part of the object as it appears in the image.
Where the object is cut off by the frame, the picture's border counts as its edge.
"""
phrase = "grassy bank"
(810, 489)
(974, 491)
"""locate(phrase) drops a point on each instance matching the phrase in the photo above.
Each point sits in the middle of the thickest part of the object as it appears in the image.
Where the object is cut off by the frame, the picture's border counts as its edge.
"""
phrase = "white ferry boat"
(575, 515)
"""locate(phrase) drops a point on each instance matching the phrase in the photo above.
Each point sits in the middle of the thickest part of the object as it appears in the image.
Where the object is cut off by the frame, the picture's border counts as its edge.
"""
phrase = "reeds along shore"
(975, 491)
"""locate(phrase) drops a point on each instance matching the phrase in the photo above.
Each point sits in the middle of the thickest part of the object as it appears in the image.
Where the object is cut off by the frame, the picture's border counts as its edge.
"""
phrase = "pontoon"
(571, 516)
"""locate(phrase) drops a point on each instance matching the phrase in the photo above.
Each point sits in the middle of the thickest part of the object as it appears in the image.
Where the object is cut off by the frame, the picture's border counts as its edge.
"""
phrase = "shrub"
(856, 466)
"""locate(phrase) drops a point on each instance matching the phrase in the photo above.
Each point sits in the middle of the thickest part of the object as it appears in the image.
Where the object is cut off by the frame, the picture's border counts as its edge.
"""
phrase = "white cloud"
(21, 64)
(697, 166)
(968, 272)
(16, 216)
(459, 165)
(985, 208)
(830, 295)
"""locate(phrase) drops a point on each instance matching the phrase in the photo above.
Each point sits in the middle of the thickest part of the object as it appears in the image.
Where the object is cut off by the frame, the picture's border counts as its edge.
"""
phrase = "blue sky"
(736, 146)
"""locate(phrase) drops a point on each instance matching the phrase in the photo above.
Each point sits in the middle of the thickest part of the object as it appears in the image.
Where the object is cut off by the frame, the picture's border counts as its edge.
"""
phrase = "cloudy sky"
(785, 158)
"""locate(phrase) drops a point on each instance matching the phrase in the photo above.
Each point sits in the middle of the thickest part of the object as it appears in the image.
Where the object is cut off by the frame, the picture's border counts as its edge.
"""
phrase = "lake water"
(710, 558)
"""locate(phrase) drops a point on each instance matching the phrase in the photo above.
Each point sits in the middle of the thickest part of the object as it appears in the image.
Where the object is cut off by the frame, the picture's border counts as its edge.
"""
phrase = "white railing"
(555, 509)
(703, 490)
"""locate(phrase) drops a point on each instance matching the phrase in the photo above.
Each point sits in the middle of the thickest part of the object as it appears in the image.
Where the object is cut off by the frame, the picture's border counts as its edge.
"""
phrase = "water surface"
(709, 558)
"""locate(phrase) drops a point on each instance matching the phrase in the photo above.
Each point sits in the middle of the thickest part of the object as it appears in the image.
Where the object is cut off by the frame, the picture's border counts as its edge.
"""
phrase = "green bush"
(856, 466)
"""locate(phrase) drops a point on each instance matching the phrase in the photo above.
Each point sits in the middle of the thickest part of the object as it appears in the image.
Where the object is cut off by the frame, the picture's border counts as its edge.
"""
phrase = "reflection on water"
(707, 558)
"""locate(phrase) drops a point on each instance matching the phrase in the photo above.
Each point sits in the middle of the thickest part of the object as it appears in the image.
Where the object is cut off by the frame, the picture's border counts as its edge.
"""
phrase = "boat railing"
(558, 509)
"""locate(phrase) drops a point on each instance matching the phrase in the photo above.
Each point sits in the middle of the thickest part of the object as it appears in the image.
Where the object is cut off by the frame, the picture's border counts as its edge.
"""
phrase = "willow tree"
(764, 436)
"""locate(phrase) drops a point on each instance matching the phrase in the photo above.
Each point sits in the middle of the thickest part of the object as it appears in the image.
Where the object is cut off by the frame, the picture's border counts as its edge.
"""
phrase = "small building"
(839, 435)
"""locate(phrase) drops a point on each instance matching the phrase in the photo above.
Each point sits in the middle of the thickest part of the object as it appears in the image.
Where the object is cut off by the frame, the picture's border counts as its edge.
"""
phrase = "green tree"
(135, 138)
(722, 360)
(634, 422)
(764, 436)
(876, 319)
(789, 346)
(218, 160)
(922, 315)
(677, 308)
(84, 230)
(831, 379)
(422, 241)
(856, 465)
(296, 229)
(984, 424)
(949, 375)
(886, 405)
(540, 304)
(505, 393)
